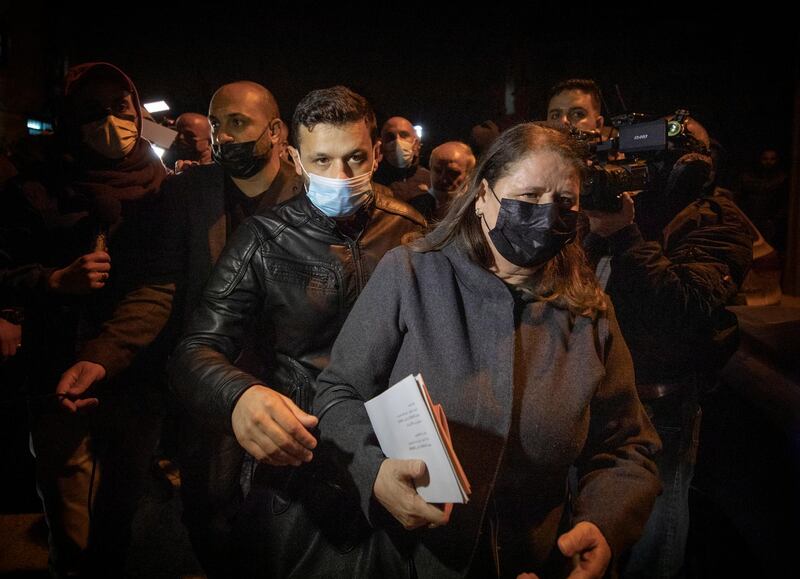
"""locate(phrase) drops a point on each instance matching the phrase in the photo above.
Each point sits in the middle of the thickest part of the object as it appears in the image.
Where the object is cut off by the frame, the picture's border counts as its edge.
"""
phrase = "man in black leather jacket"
(287, 279)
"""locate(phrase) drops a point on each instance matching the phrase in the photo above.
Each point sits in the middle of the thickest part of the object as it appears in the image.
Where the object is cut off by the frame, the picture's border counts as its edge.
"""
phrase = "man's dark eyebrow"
(349, 154)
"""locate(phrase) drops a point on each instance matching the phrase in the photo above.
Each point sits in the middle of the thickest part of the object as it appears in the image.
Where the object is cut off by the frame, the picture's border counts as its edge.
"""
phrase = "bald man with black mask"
(204, 205)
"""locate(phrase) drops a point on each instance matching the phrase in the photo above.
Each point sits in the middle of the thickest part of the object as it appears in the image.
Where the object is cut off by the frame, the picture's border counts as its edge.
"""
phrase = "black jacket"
(405, 184)
(292, 276)
(195, 229)
(670, 296)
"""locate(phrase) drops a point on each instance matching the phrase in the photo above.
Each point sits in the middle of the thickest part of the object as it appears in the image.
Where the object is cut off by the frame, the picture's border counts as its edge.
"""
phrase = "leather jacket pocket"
(316, 277)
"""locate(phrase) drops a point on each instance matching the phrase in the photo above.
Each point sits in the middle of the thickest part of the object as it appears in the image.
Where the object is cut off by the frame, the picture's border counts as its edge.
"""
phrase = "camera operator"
(576, 102)
(672, 257)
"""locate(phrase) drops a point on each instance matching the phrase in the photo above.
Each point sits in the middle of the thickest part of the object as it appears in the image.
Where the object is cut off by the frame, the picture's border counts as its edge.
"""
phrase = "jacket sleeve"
(362, 360)
(201, 370)
(137, 321)
(18, 284)
(618, 480)
(145, 309)
(700, 269)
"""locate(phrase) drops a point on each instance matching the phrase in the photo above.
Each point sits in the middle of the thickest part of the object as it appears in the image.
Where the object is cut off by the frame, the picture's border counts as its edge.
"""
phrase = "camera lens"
(674, 128)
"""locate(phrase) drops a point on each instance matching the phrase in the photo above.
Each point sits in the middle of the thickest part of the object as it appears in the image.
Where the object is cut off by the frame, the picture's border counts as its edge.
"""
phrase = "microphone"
(107, 211)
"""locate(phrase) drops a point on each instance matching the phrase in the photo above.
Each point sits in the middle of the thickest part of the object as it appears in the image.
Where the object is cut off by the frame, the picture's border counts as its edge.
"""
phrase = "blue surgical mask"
(338, 197)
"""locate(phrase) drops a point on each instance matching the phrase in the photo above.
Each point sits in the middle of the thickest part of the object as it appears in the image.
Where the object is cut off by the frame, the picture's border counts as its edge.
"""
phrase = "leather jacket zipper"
(354, 251)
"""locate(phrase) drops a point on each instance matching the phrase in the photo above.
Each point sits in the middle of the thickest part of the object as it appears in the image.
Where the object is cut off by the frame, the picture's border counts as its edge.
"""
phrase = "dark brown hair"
(582, 84)
(337, 105)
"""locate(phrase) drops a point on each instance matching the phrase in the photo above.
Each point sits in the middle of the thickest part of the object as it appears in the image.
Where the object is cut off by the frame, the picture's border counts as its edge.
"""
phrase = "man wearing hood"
(94, 451)
(399, 170)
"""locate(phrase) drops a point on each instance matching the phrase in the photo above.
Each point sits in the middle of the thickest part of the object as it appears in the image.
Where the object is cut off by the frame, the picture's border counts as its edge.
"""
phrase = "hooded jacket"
(121, 197)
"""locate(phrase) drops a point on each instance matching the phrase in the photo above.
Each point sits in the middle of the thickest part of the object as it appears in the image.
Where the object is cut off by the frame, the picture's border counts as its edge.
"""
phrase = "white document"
(409, 426)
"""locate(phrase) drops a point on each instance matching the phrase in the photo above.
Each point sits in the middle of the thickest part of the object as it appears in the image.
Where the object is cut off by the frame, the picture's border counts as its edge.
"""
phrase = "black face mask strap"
(493, 193)
(498, 202)
(263, 132)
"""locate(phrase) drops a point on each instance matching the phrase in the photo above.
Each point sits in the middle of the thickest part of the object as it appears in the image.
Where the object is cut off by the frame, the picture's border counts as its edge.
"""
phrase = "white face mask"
(111, 137)
(399, 153)
(337, 197)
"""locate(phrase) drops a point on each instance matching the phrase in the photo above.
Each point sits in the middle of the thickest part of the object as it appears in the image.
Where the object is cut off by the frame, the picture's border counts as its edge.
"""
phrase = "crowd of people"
(267, 278)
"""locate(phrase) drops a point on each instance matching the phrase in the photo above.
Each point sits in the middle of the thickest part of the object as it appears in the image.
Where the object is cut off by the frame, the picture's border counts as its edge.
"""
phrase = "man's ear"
(295, 154)
(275, 126)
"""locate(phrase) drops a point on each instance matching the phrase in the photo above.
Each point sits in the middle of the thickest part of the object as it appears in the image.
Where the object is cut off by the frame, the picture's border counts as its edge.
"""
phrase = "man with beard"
(203, 206)
(272, 308)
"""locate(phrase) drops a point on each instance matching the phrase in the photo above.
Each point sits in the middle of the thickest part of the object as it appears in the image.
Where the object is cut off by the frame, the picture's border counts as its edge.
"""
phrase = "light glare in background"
(156, 107)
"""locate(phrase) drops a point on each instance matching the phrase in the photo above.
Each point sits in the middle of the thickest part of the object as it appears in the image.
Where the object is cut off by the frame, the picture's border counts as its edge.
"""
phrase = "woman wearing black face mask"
(498, 311)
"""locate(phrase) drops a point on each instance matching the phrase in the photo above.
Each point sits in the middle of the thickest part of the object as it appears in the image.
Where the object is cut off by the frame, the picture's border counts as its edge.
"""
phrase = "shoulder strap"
(603, 271)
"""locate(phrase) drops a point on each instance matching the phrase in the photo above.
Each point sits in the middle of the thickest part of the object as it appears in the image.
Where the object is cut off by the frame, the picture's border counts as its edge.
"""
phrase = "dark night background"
(446, 68)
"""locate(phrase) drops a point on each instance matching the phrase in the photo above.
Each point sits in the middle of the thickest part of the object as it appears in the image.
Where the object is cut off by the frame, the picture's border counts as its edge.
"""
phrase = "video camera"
(642, 151)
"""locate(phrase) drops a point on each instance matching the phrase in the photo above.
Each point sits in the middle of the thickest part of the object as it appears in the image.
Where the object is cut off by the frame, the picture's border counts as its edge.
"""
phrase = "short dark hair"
(337, 105)
(586, 85)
